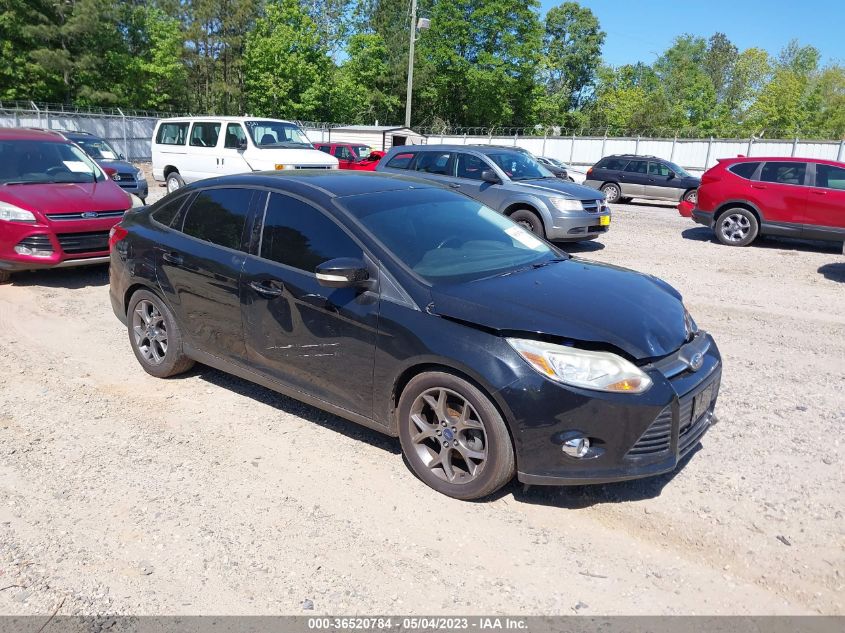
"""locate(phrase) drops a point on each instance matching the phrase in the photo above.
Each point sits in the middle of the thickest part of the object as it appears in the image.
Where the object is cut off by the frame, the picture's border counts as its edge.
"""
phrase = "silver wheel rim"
(150, 332)
(172, 185)
(448, 436)
(611, 193)
(692, 197)
(735, 227)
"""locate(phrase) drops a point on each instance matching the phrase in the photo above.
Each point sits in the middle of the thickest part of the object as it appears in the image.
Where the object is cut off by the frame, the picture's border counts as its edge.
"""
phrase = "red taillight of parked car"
(116, 234)
(590, 172)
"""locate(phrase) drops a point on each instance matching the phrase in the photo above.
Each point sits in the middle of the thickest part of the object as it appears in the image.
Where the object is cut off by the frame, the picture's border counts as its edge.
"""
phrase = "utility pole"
(411, 63)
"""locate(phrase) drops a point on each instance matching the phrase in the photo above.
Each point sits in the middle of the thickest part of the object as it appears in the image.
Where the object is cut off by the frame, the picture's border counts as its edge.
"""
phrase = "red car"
(351, 155)
(56, 205)
(741, 198)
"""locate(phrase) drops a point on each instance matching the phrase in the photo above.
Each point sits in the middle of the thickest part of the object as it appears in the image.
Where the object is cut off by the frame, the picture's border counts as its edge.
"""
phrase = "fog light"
(22, 249)
(576, 446)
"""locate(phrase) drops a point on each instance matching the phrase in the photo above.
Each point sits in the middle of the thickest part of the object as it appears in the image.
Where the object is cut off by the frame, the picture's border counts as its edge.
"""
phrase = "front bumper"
(632, 436)
(139, 188)
(578, 226)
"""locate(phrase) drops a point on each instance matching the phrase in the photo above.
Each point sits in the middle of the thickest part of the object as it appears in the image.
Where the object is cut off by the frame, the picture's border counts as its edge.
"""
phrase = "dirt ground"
(125, 494)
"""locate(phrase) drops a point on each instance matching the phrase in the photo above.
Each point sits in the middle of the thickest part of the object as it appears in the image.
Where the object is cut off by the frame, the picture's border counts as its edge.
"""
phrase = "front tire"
(174, 182)
(611, 191)
(737, 227)
(453, 437)
(529, 220)
(155, 337)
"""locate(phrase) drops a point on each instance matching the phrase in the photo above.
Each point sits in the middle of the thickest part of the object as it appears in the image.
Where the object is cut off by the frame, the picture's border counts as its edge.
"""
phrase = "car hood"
(120, 166)
(556, 187)
(689, 182)
(574, 300)
(67, 197)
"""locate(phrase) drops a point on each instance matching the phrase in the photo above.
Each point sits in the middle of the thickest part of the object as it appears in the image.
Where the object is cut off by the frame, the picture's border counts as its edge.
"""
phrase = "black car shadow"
(652, 203)
(71, 278)
(699, 234)
(704, 234)
(292, 406)
(579, 247)
(834, 272)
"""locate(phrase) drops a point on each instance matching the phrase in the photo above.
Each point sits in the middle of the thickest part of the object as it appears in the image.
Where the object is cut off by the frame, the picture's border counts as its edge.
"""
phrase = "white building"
(378, 137)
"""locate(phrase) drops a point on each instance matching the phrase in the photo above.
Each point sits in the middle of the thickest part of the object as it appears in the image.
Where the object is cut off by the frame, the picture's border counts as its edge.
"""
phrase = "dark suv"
(125, 174)
(627, 176)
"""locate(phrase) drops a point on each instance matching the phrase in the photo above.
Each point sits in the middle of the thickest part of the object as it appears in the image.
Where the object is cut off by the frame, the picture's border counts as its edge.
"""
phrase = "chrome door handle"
(265, 290)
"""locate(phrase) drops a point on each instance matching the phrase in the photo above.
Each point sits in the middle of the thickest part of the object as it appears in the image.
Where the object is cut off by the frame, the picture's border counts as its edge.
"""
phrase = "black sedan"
(419, 312)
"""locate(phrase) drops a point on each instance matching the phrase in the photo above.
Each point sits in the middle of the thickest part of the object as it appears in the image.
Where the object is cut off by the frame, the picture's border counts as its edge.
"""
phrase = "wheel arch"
(731, 204)
(135, 287)
(534, 206)
(169, 169)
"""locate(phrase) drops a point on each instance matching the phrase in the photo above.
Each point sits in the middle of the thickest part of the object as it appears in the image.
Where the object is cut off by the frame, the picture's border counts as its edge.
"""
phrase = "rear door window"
(401, 160)
(744, 170)
(433, 162)
(613, 163)
(637, 166)
(219, 216)
(784, 173)
(172, 134)
(169, 211)
(205, 134)
(830, 177)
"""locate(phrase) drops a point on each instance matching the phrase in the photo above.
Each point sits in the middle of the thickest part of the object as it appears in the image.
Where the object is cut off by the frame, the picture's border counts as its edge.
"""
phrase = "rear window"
(401, 161)
(784, 173)
(612, 163)
(168, 211)
(172, 134)
(218, 216)
(744, 170)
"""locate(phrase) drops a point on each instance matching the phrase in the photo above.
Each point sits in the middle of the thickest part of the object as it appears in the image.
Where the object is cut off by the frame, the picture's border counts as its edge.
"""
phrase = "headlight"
(11, 213)
(139, 175)
(567, 204)
(601, 371)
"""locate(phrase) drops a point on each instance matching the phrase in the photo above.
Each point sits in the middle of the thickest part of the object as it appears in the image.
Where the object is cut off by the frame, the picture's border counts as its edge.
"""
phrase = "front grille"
(37, 242)
(90, 242)
(312, 167)
(123, 177)
(63, 217)
(591, 205)
(691, 430)
(657, 438)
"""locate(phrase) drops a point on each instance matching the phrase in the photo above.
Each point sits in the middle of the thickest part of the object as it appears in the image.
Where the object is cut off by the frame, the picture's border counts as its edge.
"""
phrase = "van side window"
(235, 136)
(172, 134)
(205, 134)
(218, 216)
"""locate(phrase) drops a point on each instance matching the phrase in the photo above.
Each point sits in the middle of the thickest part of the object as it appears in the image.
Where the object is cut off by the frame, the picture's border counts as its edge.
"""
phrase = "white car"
(187, 149)
(575, 175)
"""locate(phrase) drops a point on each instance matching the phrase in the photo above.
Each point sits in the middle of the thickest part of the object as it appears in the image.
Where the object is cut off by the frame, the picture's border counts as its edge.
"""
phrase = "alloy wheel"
(172, 185)
(448, 435)
(735, 227)
(150, 332)
(611, 193)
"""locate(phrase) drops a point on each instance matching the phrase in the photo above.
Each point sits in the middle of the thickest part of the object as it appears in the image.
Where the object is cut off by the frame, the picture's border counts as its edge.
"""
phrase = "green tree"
(362, 89)
(287, 71)
(685, 83)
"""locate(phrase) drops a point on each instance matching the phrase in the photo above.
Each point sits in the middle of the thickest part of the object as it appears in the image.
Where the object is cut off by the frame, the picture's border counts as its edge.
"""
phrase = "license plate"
(701, 403)
(604, 220)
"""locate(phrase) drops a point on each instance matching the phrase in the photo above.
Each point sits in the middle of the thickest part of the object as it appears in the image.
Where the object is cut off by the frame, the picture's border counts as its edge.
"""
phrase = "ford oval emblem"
(696, 361)
(90, 214)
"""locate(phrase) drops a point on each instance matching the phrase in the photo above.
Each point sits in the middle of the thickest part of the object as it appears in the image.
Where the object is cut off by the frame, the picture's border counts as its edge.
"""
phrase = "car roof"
(30, 134)
(333, 183)
(225, 119)
(779, 159)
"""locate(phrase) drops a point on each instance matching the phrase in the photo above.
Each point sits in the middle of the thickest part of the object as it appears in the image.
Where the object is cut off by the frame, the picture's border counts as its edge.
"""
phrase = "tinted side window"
(830, 177)
(205, 134)
(401, 161)
(218, 216)
(172, 134)
(470, 166)
(784, 173)
(343, 153)
(235, 135)
(612, 163)
(167, 212)
(637, 166)
(433, 162)
(744, 170)
(658, 169)
(298, 235)
(324, 148)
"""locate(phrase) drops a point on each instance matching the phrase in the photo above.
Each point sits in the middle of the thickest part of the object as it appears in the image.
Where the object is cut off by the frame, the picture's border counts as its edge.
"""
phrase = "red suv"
(741, 198)
(56, 205)
(351, 155)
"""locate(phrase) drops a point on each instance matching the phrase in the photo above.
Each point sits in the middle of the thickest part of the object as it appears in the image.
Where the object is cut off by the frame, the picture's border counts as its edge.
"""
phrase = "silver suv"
(511, 182)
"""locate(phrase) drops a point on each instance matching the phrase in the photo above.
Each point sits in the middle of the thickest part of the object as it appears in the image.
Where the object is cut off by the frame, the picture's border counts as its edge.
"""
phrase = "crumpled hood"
(555, 187)
(576, 300)
(67, 197)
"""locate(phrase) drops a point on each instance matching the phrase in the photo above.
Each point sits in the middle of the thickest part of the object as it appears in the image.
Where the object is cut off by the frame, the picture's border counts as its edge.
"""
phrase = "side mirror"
(121, 157)
(342, 272)
(488, 175)
(672, 174)
(241, 144)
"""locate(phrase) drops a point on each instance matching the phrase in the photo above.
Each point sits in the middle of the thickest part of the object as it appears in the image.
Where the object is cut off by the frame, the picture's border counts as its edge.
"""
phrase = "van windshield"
(277, 134)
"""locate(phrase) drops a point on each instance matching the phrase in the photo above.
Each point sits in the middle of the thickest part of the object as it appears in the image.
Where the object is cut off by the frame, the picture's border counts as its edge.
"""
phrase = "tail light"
(116, 234)
(589, 172)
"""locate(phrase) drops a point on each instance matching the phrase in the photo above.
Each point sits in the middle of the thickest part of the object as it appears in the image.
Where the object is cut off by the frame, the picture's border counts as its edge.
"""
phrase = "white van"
(186, 149)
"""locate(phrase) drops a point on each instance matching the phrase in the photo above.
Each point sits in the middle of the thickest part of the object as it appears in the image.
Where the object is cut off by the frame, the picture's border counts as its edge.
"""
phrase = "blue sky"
(638, 28)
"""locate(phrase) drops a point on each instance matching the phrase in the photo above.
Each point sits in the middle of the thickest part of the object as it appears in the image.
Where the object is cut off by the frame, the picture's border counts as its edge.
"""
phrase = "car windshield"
(32, 162)
(97, 149)
(519, 166)
(680, 171)
(556, 162)
(362, 151)
(444, 237)
(276, 134)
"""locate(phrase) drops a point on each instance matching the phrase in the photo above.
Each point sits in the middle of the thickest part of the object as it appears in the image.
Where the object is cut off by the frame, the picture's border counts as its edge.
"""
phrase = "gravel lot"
(121, 493)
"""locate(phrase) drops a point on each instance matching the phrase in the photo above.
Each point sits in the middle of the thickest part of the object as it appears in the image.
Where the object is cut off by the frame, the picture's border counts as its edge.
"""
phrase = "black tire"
(612, 192)
(625, 200)
(530, 221)
(736, 227)
(5, 276)
(469, 482)
(173, 360)
(691, 196)
(174, 181)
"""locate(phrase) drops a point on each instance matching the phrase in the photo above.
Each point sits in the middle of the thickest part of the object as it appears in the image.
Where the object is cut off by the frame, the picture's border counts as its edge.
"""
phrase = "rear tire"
(611, 191)
(691, 196)
(174, 181)
(155, 337)
(625, 200)
(453, 437)
(529, 220)
(736, 227)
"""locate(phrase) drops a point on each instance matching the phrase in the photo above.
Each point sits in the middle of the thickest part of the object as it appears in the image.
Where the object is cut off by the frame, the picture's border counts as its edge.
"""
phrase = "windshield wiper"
(550, 261)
